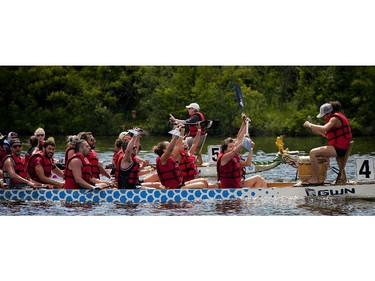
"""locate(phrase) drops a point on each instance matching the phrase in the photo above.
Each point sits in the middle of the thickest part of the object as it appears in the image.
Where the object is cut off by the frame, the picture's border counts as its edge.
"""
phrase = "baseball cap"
(15, 140)
(193, 105)
(123, 134)
(325, 109)
(12, 135)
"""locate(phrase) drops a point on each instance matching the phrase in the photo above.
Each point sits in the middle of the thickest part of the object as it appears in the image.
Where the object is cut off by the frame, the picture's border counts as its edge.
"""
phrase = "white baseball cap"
(325, 109)
(123, 134)
(193, 105)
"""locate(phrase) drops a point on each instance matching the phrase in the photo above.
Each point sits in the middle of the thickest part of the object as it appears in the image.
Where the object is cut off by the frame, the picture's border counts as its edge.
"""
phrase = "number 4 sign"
(365, 168)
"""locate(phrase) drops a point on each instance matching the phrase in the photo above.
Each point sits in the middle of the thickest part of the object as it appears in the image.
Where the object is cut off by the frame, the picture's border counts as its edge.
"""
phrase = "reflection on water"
(235, 207)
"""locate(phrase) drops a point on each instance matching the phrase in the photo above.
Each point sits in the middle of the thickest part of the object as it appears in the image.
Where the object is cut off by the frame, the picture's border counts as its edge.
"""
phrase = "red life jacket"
(3, 154)
(188, 166)
(169, 174)
(20, 168)
(67, 150)
(129, 177)
(193, 129)
(339, 137)
(230, 174)
(94, 161)
(70, 182)
(47, 164)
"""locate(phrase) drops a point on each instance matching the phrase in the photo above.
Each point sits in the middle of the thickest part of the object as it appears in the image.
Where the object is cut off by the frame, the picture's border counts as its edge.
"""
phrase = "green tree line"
(69, 99)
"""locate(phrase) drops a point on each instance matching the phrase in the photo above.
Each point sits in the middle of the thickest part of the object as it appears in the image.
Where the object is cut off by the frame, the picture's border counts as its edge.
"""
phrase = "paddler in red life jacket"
(230, 165)
(168, 169)
(336, 130)
(70, 148)
(41, 165)
(187, 161)
(195, 116)
(15, 168)
(96, 168)
(78, 170)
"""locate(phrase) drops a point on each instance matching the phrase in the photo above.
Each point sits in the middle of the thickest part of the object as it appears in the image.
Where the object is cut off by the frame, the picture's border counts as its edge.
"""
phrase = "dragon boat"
(362, 187)
(274, 190)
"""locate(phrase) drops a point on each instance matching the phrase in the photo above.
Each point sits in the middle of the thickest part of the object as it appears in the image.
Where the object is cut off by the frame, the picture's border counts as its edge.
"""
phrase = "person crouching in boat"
(230, 165)
(336, 130)
(78, 170)
(15, 168)
(41, 165)
(168, 170)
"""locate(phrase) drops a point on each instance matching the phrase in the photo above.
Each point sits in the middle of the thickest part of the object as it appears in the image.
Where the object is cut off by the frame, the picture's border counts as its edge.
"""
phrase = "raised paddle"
(239, 98)
(246, 141)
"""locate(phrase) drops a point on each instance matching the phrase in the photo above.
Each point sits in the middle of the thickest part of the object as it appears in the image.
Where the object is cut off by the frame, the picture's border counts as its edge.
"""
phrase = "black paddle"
(246, 142)
(239, 98)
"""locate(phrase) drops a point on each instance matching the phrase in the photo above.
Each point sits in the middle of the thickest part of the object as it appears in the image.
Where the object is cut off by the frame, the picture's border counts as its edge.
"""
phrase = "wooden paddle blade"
(239, 98)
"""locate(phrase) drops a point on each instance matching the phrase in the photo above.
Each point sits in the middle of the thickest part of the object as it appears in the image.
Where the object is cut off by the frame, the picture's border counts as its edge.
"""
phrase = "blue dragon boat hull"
(355, 190)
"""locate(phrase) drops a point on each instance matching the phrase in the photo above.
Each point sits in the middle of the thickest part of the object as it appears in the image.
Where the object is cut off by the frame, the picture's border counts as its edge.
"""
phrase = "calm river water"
(265, 150)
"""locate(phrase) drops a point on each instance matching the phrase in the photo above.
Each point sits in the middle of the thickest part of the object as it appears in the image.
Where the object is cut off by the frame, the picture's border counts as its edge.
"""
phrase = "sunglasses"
(17, 146)
(40, 135)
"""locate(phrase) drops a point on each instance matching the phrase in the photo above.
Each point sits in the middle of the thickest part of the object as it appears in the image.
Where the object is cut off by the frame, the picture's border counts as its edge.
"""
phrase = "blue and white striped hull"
(178, 195)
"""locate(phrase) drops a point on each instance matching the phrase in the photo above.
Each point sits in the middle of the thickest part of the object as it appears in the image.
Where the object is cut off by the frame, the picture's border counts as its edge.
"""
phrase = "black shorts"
(340, 152)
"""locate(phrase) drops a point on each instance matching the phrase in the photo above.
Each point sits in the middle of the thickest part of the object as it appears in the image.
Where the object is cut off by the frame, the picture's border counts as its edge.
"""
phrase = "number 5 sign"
(213, 152)
(364, 168)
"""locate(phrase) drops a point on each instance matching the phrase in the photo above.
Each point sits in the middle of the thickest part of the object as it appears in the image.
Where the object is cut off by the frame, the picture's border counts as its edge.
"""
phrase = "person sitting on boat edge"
(129, 167)
(230, 165)
(187, 160)
(70, 147)
(97, 169)
(168, 169)
(336, 129)
(78, 170)
(41, 165)
(15, 168)
(194, 116)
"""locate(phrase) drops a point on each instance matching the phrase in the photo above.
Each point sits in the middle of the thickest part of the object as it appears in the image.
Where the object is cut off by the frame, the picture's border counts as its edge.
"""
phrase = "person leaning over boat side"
(41, 165)
(336, 130)
(78, 170)
(168, 169)
(41, 135)
(230, 165)
(34, 147)
(96, 168)
(195, 116)
(15, 168)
